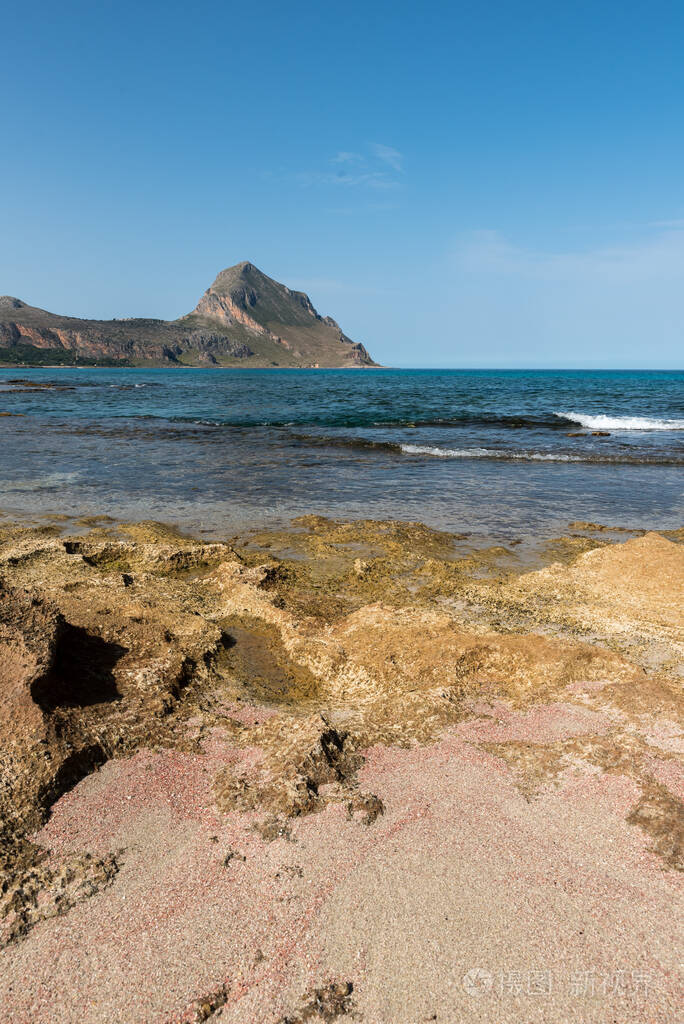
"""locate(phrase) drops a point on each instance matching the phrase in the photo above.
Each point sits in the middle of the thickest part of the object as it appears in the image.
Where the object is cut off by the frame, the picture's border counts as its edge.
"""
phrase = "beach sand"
(345, 771)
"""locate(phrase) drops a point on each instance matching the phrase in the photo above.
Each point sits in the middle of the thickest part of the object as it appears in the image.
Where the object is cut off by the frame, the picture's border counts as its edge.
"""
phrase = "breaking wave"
(521, 456)
(488, 453)
(620, 422)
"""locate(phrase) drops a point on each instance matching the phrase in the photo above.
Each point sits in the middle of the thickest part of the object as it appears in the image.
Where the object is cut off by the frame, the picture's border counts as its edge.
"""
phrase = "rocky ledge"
(360, 771)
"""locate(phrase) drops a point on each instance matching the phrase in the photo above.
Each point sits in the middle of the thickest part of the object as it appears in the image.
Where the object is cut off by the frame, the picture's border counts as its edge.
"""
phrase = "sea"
(488, 452)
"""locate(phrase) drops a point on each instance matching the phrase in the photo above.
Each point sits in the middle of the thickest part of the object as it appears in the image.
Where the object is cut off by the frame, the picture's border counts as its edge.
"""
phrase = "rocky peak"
(246, 288)
(240, 275)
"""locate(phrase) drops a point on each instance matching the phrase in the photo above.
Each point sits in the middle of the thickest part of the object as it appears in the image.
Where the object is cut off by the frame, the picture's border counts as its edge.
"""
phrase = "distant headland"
(244, 319)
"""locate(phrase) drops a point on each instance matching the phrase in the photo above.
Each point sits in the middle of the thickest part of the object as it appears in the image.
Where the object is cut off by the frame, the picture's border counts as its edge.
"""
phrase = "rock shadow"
(83, 671)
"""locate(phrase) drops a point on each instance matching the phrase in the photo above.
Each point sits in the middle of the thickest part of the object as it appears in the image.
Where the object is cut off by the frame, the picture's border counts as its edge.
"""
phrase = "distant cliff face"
(244, 319)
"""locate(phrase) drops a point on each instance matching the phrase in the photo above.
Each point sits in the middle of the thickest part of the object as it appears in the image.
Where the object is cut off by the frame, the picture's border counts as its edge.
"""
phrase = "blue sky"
(498, 184)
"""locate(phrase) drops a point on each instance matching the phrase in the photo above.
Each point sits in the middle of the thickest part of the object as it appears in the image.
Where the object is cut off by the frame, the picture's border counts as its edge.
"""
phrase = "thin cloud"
(379, 170)
(613, 303)
(344, 157)
(659, 254)
(388, 155)
(369, 179)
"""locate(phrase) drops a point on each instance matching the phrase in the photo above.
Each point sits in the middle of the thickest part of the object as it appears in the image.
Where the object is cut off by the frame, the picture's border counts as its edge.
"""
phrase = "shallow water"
(215, 450)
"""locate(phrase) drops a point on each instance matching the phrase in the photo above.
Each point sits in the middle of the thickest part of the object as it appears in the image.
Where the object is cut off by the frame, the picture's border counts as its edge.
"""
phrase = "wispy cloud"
(609, 304)
(345, 157)
(369, 179)
(388, 155)
(379, 168)
(658, 253)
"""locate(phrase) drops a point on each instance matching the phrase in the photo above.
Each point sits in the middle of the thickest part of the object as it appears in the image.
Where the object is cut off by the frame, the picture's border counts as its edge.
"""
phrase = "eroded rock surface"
(234, 738)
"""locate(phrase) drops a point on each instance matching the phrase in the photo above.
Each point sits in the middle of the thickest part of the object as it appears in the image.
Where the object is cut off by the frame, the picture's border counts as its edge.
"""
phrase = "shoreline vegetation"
(329, 769)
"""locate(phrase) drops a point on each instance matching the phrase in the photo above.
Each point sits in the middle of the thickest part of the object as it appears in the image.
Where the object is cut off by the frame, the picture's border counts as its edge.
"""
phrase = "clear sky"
(459, 184)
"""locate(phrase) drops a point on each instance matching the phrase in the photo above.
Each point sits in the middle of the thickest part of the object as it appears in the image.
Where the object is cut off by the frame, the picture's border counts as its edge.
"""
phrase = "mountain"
(244, 319)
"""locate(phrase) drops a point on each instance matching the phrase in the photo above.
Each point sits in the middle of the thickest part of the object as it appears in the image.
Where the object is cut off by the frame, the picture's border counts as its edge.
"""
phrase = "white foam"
(620, 422)
(448, 453)
(38, 483)
(487, 453)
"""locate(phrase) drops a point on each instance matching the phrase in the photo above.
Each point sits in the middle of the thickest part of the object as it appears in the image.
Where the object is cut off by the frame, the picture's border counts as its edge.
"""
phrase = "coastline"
(165, 366)
(339, 764)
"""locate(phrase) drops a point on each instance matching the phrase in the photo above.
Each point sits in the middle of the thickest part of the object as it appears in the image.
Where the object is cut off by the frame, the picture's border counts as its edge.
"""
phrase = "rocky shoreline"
(329, 772)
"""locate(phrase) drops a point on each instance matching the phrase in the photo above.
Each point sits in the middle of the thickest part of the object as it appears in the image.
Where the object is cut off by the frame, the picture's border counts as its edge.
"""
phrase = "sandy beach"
(344, 771)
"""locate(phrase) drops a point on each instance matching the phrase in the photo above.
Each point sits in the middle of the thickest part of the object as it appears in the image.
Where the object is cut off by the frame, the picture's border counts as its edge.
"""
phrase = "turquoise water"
(485, 451)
